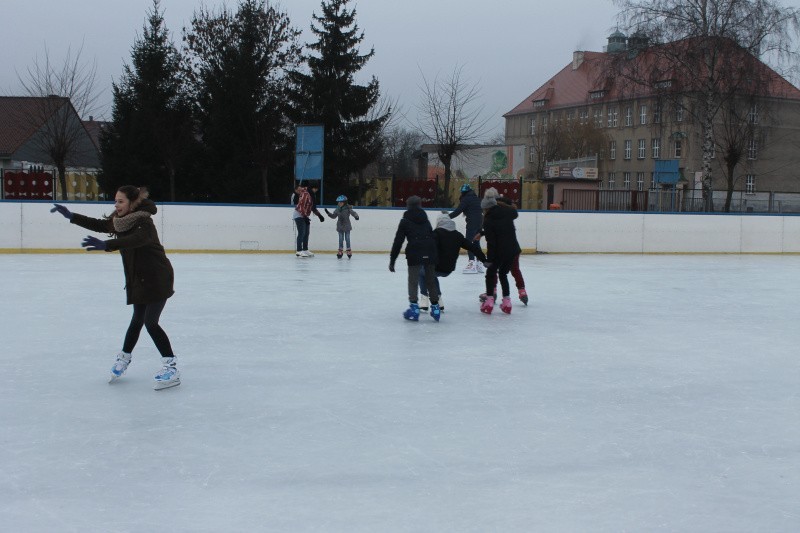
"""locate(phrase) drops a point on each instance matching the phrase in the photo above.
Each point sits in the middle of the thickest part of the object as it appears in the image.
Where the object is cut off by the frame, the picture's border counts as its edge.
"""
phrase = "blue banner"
(308, 154)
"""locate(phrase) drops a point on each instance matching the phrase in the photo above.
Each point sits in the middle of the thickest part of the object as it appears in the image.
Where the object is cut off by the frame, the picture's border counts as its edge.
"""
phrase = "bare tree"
(66, 93)
(451, 116)
(558, 138)
(703, 54)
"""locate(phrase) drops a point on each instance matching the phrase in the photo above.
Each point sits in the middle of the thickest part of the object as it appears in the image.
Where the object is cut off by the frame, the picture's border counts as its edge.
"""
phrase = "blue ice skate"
(436, 312)
(412, 313)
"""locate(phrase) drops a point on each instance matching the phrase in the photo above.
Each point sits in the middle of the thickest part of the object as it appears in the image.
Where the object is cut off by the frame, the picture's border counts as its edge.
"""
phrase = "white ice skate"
(120, 366)
(424, 302)
(470, 268)
(168, 376)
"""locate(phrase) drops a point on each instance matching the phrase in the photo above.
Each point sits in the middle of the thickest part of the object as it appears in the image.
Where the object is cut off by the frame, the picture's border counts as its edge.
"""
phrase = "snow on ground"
(634, 393)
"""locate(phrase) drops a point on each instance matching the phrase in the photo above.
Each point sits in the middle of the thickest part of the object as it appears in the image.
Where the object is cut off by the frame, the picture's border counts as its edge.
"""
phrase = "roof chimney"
(577, 59)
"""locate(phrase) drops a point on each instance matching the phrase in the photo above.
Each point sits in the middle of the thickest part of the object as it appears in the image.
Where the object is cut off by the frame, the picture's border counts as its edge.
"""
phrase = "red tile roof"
(21, 117)
(572, 87)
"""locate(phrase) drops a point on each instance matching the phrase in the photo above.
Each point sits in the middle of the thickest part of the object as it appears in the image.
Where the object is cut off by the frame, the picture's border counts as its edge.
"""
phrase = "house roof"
(21, 117)
(588, 74)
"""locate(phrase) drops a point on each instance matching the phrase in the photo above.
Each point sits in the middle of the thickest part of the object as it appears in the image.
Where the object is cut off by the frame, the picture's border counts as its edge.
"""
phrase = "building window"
(642, 114)
(750, 184)
(752, 115)
(570, 115)
(533, 126)
(627, 179)
(678, 113)
(752, 149)
(652, 182)
(628, 116)
(544, 123)
(598, 117)
(656, 148)
(677, 148)
(532, 154)
(612, 177)
(613, 117)
(612, 150)
(642, 149)
(657, 113)
(584, 116)
(640, 181)
(628, 143)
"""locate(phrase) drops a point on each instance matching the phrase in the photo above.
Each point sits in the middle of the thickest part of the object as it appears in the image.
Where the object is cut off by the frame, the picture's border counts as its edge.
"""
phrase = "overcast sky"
(508, 47)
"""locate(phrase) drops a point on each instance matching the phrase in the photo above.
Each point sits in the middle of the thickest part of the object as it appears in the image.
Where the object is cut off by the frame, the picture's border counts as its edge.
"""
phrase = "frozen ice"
(633, 393)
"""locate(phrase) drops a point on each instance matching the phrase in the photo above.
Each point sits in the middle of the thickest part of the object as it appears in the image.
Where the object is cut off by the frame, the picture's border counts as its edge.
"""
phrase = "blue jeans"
(344, 236)
(303, 229)
(423, 289)
(473, 228)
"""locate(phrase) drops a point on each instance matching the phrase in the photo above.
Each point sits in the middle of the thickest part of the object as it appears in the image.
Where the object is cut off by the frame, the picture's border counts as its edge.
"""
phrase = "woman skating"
(148, 273)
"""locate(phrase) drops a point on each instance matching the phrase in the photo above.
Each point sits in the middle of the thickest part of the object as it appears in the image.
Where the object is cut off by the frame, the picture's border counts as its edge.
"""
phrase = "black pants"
(147, 315)
(495, 271)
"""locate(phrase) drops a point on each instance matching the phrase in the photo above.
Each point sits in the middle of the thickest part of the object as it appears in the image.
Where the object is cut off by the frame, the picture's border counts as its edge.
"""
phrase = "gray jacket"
(342, 216)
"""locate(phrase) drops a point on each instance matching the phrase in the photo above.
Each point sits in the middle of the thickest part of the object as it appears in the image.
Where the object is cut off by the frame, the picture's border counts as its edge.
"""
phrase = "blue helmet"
(465, 188)
(341, 198)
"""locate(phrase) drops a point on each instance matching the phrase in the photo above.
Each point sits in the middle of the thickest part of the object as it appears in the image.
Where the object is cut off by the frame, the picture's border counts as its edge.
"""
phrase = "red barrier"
(507, 189)
(18, 185)
(403, 189)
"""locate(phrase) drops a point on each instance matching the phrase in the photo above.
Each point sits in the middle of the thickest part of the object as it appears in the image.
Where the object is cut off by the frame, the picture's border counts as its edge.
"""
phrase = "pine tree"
(327, 94)
(150, 136)
(237, 64)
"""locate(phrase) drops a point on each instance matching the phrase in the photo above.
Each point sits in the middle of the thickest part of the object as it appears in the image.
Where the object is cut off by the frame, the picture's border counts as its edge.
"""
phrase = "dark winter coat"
(416, 228)
(470, 205)
(449, 243)
(148, 273)
(501, 236)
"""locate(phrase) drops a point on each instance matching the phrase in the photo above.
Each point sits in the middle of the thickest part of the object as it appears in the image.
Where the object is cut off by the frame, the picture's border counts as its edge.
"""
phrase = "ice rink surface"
(634, 393)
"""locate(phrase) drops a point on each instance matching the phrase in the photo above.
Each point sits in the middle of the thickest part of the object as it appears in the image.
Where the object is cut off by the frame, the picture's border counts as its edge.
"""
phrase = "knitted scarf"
(126, 223)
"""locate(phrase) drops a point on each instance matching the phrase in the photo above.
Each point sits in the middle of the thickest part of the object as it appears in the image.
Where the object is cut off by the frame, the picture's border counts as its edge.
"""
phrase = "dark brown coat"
(148, 273)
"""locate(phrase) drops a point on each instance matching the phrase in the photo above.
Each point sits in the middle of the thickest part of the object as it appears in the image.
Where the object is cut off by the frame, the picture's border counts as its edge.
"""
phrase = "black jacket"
(448, 246)
(470, 205)
(416, 228)
(148, 273)
(501, 236)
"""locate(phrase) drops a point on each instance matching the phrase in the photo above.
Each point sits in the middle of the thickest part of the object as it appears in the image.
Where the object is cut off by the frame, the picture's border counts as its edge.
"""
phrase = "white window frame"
(752, 150)
(679, 113)
(750, 184)
(752, 115)
(628, 116)
(533, 127)
(655, 148)
(628, 149)
(612, 178)
(642, 149)
(583, 115)
(598, 117)
(643, 114)
(613, 116)
(532, 154)
(657, 113)
(677, 148)
(627, 180)
(612, 150)
(640, 181)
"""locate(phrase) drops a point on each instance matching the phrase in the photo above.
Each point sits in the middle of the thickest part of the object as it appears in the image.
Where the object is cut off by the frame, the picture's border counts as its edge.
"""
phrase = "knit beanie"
(414, 201)
(488, 202)
(491, 192)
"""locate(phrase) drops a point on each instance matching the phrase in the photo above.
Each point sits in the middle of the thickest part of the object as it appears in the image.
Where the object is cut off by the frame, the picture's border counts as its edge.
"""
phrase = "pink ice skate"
(505, 305)
(488, 305)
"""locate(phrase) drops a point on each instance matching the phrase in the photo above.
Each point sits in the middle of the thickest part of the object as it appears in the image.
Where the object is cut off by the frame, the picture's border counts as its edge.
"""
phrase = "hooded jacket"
(501, 236)
(470, 205)
(342, 215)
(149, 276)
(449, 243)
(416, 228)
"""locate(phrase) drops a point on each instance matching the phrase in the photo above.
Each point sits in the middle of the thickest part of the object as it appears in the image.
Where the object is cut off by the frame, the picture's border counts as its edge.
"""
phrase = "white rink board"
(566, 232)
(209, 227)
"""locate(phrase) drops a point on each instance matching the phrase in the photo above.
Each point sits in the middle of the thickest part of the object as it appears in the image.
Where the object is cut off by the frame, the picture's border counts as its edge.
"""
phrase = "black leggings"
(495, 271)
(147, 315)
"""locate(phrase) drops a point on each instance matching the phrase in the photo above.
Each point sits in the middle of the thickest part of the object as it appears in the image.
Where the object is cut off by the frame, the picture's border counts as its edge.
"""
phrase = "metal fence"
(678, 201)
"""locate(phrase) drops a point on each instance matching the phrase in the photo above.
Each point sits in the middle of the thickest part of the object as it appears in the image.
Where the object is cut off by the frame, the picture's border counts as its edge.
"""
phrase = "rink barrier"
(29, 227)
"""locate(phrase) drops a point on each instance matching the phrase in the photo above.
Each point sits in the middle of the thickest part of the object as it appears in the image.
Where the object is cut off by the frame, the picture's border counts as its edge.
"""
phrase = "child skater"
(516, 273)
(449, 242)
(501, 249)
(148, 273)
(420, 255)
(343, 226)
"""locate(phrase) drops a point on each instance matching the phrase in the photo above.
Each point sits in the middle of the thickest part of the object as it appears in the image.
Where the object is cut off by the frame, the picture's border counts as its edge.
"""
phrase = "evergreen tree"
(237, 64)
(150, 136)
(327, 94)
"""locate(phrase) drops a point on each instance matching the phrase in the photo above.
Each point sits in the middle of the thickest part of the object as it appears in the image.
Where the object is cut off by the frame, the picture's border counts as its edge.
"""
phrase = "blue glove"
(63, 210)
(93, 243)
